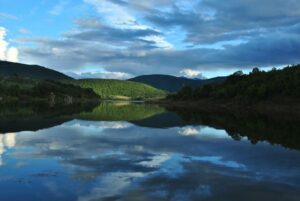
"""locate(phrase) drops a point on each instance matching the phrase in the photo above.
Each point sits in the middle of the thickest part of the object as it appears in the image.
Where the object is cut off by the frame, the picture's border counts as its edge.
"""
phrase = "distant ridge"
(9, 69)
(173, 83)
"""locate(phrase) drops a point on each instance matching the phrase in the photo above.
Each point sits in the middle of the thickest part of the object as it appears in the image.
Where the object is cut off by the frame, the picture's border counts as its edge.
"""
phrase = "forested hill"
(258, 85)
(9, 69)
(119, 89)
(173, 84)
(27, 90)
(37, 75)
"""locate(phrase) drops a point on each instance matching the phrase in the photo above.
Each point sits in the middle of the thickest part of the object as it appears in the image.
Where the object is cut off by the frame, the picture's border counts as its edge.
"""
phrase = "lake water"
(122, 151)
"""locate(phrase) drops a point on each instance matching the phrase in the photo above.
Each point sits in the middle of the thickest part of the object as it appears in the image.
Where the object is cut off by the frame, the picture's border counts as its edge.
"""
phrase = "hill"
(9, 69)
(274, 85)
(119, 89)
(19, 89)
(172, 83)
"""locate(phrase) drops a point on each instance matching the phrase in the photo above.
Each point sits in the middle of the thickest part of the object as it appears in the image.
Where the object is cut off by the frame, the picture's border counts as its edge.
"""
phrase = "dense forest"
(17, 89)
(258, 85)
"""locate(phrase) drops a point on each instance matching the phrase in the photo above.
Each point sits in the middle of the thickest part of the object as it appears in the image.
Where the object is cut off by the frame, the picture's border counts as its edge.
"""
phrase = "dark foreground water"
(118, 151)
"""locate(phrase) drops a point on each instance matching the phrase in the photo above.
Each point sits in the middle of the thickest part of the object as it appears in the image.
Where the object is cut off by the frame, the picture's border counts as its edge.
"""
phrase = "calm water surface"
(118, 151)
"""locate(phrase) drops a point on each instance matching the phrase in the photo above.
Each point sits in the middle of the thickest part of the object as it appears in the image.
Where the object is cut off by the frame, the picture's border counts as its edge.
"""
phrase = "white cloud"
(188, 131)
(98, 125)
(159, 41)
(120, 17)
(113, 14)
(7, 141)
(103, 75)
(7, 53)
(190, 73)
(12, 54)
(156, 160)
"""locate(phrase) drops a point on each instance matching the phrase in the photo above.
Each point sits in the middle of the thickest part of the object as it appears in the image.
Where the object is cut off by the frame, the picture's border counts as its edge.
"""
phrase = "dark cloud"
(213, 21)
(113, 35)
(270, 50)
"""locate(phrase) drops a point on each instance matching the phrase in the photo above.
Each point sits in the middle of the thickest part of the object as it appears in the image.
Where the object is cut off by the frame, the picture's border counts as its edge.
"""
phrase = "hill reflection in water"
(122, 151)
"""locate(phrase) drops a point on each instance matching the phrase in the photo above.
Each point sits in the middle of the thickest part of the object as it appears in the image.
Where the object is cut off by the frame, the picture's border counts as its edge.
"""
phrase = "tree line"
(257, 85)
(25, 89)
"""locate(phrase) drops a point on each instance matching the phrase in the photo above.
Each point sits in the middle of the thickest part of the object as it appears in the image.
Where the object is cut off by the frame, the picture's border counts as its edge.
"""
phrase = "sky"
(125, 38)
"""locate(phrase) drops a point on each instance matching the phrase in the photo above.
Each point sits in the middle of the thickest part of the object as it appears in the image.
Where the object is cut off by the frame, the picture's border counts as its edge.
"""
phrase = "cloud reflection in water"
(123, 161)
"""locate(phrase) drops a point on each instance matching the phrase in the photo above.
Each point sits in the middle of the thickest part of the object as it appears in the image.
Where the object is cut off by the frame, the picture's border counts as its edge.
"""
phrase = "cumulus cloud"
(12, 54)
(7, 53)
(190, 73)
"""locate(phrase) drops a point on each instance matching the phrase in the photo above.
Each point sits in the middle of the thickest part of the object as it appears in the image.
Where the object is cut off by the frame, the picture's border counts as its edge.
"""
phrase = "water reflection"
(32, 117)
(6, 141)
(90, 159)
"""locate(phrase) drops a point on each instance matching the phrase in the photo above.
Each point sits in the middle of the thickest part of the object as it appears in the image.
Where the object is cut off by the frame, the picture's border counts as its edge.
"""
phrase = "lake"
(132, 151)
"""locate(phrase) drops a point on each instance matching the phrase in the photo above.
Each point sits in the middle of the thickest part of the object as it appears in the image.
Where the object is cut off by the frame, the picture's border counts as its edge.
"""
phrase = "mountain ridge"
(172, 83)
(9, 69)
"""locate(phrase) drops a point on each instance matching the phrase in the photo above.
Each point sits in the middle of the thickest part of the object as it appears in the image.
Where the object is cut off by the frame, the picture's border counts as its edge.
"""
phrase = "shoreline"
(287, 107)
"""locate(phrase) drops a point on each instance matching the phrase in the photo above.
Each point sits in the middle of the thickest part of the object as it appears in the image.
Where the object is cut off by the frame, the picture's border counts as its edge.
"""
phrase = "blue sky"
(125, 38)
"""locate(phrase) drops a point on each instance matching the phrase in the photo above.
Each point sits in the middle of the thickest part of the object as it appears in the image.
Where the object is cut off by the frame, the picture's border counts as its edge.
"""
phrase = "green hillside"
(10, 69)
(119, 89)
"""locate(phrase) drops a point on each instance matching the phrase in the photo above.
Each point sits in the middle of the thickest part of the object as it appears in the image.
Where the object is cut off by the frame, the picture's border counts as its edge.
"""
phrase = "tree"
(235, 76)
(238, 73)
(255, 70)
(274, 69)
(206, 90)
(186, 92)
